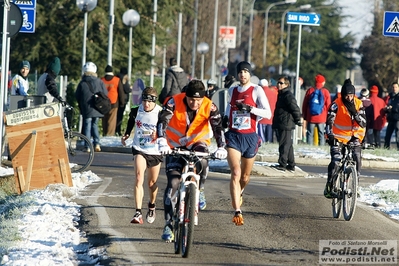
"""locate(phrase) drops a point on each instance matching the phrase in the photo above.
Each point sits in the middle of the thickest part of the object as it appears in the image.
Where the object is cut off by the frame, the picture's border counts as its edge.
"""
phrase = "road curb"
(373, 164)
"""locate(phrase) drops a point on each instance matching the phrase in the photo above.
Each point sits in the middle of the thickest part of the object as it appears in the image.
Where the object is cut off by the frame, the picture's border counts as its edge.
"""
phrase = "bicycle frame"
(187, 200)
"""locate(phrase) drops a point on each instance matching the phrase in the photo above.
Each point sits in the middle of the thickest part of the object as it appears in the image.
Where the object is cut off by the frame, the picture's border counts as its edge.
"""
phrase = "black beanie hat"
(108, 69)
(244, 65)
(347, 88)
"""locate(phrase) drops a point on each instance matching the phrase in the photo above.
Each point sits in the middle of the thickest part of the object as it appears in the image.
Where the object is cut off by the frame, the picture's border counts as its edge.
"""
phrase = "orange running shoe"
(238, 219)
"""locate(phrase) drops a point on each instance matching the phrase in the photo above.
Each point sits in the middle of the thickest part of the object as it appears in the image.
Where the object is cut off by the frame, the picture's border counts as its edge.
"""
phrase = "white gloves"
(221, 153)
(163, 146)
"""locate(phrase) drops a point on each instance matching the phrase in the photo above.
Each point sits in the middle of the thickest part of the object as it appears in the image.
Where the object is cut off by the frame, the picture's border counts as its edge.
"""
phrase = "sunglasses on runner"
(149, 98)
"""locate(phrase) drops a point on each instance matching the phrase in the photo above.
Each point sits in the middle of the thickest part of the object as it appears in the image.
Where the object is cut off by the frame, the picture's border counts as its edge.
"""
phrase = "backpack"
(316, 102)
(101, 102)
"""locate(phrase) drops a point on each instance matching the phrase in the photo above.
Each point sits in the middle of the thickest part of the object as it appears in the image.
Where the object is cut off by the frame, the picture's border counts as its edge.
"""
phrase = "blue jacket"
(85, 97)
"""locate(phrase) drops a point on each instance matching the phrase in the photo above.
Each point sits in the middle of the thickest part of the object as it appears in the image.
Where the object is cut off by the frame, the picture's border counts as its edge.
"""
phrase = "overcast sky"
(360, 17)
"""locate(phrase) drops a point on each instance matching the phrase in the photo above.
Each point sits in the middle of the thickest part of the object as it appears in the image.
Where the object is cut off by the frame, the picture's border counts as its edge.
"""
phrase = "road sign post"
(300, 19)
(227, 37)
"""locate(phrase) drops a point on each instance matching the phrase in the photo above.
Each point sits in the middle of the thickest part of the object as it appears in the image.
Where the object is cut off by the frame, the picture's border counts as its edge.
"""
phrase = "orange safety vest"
(180, 133)
(112, 87)
(344, 127)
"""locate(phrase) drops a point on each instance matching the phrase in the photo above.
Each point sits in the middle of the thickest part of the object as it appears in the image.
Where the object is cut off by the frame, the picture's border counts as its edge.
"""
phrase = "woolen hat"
(109, 70)
(263, 83)
(374, 89)
(365, 92)
(244, 65)
(55, 66)
(347, 88)
(23, 64)
(319, 80)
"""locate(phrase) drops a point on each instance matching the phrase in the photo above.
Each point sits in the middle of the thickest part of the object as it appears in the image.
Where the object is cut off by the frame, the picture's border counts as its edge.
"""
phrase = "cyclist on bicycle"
(145, 151)
(346, 123)
(187, 121)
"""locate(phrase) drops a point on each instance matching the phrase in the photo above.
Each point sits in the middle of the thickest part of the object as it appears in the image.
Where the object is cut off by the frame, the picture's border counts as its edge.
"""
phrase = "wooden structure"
(37, 146)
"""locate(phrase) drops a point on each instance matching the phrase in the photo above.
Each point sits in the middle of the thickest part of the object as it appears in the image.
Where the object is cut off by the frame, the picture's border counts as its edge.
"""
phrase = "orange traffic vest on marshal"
(344, 127)
(181, 134)
(112, 87)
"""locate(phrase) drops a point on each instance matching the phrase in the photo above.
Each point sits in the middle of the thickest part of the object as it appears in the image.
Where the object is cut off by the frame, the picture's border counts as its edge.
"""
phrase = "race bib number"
(241, 120)
(146, 141)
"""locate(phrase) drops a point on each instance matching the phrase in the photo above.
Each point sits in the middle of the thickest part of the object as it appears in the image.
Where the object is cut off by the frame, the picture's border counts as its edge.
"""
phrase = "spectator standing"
(46, 84)
(145, 151)
(369, 112)
(379, 116)
(247, 102)
(392, 110)
(84, 95)
(286, 115)
(116, 95)
(121, 109)
(20, 82)
(175, 80)
(229, 81)
(265, 130)
(316, 119)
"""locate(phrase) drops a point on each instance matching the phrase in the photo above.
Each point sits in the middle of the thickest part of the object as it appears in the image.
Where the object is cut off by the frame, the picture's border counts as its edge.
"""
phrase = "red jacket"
(379, 113)
(316, 119)
(271, 94)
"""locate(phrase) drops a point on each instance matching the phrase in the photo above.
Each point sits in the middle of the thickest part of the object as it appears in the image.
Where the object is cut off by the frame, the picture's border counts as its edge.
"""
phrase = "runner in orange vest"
(346, 122)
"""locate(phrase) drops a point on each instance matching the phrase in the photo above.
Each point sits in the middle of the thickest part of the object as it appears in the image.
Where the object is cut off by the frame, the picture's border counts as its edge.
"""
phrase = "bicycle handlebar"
(204, 155)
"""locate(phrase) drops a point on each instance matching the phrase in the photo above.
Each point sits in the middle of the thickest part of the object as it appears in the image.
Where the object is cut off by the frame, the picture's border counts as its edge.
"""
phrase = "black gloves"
(351, 108)
(225, 121)
(331, 139)
(63, 103)
(299, 123)
(243, 107)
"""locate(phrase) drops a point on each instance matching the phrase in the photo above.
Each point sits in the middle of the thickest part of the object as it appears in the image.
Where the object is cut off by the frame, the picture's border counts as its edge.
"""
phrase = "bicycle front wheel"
(337, 200)
(350, 193)
(187, 232)
(80, 151)
(177, 227)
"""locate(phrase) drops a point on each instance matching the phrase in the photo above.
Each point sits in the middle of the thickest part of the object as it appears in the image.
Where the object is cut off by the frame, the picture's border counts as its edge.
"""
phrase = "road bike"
(79, 148)
(345, 184)
(185, 214)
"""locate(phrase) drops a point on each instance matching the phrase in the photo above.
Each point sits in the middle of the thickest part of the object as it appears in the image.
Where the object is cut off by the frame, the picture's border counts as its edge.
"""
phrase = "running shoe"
(202, 200)
(238, 219)
(137, 218)
(167, 234)
(150, 217)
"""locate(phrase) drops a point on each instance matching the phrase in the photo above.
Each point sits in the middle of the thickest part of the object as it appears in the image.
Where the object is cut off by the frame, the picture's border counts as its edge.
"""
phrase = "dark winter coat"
(84, 95)
(175, 80)
(287, 113)
(393, 113)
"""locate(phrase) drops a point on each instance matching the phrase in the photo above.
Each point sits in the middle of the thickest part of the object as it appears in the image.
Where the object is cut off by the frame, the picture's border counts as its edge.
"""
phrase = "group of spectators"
(116, 87)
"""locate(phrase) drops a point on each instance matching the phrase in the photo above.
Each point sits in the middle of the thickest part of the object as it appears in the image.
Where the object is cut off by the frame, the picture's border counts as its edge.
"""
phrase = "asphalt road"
(284, 220)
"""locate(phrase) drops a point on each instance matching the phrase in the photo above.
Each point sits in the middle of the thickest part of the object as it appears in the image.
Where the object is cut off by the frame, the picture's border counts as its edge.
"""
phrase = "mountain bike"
(345, 182)
(185, 214)
(79, 148)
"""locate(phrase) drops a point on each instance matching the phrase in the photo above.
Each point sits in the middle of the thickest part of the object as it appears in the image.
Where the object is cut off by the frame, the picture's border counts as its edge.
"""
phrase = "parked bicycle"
(79, 148)
(187, 200)
(345, 182)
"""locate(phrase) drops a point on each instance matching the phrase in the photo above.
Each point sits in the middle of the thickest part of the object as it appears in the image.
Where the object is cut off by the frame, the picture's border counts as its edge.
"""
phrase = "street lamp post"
(85, 6)
(266, 25)
(130, 18)
(202, 48)
(153, 44)
(302, 7)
